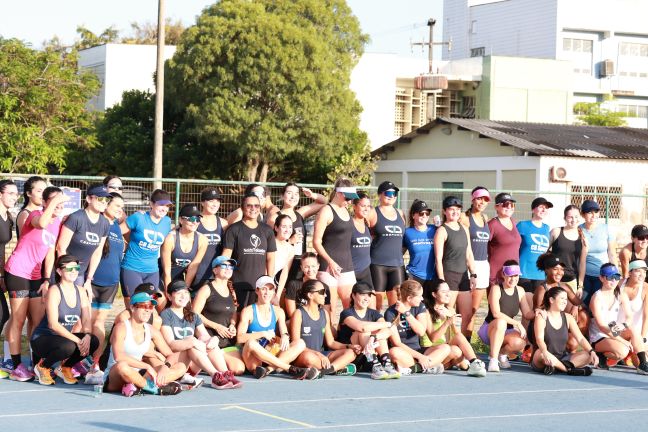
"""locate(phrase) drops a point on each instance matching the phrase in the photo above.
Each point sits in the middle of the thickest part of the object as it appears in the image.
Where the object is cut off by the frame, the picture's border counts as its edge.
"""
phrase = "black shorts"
(457, 281)
(426, 284)
(19, 287)
(364, 276)
(385, 278)
(530, 285)
(103, 296)
(245, 294)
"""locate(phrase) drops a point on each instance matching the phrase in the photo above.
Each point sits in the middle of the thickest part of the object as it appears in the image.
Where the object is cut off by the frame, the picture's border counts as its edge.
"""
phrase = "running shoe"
(299, 373)
(603, 361)
(434, 370)
(190, 382)
(94, 377)
(130, 390)
(79, 370)
(231, 378)
(493, 365)
(326, 371)
(417, 368)
(261, 372)
(21, 373)
(65, 373)
(642, 369)
(7, 365)
(349, 370)
(378, 372)
(220, 381)
(170, 389)
(44, 374)
(150, 386)
(391, 370)
(477, 369)
(405, 371)
(526, 354)
(504, 362)
(4, 374)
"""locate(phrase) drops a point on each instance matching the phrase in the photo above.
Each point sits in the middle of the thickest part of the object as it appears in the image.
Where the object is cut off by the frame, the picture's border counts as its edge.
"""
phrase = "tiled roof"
(551, 139)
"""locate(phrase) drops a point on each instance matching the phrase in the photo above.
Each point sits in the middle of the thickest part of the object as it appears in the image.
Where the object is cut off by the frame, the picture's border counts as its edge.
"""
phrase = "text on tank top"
(479, 237)
(256, 326)
(361, 248)
(214, 249)
(509, 305)
(312, 330)
(387, 245)
(336, 240)
(181, 259)
(569, 252)
(556, 338)
(68, 315)
(454, 250)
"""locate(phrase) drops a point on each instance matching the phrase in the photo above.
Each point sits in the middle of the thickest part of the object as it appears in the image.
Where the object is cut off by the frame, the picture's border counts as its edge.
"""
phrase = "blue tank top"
(479, 237)
(214, 249)
(146, 237)
(67, 316)
(535, 242)
(181, 259)
(255, 325)
(107, 273)
(386, 249)
(420, 245)
(361, 249)
(312, 330)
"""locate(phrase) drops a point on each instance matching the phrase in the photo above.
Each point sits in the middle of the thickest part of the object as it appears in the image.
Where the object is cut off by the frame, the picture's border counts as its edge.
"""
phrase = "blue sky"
(391, 24)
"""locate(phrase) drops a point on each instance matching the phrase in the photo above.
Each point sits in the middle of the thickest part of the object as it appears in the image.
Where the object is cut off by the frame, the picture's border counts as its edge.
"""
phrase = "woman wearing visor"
(504, 243)
(636, 288)
(332, 239)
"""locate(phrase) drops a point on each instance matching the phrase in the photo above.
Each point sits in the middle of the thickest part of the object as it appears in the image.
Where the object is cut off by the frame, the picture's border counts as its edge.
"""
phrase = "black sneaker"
(580, 371)
(642, 369)
(299, 373)
(327, 371)
(602, 363)
(261, 372)
(170, 389)
(312, 373)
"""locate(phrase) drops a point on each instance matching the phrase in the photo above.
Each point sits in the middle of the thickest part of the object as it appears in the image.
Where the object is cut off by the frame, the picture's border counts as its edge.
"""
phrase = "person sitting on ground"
(361, 325)
(409, 316)
(311, 323)
(309, 269)
(636, 288)
(264, 352)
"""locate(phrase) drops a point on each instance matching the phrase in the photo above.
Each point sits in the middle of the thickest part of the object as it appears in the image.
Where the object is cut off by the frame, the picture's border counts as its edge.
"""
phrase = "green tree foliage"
(87, 39)
(42, 108)
(593, 114)
(146, 33)
(357, 167)
(259, 89)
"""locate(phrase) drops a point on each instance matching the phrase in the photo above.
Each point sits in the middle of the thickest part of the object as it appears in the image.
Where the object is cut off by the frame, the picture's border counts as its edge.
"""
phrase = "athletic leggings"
(55, 348)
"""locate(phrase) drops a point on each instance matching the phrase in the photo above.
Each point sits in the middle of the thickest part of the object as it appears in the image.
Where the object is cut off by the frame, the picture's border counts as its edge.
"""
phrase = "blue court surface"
(513, 400)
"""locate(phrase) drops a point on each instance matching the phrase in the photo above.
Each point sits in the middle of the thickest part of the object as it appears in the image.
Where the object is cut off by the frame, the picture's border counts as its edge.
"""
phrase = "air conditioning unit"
(558, 174)
(607, 68)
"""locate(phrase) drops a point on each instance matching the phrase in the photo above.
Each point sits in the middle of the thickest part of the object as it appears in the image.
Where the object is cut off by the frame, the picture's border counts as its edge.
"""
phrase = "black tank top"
(181, 259)
(509, 305)
(5, 234)
(556, 339)
(387, 245)
(569, 252)
(220, 310)
(361, 248)
(336, 240)
(454, 250)
(298, 224)
(214, 249)
(17, 217)
(633, 257)
(312, 331)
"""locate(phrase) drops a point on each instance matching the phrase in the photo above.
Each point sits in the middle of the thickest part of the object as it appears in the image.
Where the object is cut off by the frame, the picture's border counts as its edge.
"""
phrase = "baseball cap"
(188, 210)
(147, 288)
(540, 201)
(637, 264)
(451, 201)
(63, 260)
(209, 194)
(609, 270)
(263, 281)
(511, 270)
(98, 190)
(176, 285)
(142, 297)
(589, 206)
(503, 197)
(161, 197)
(387, 185)
(362, 288)
(639, 231)
(223, 260)
(551, 261)
(481, 193)
(419, 206)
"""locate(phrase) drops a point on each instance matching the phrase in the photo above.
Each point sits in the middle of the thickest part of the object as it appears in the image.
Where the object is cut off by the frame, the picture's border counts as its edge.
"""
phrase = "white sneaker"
(404, 371)
(434, 370)
(94, 377)
(477, 368)
(493, 365)
(504, 362)
(191, 381)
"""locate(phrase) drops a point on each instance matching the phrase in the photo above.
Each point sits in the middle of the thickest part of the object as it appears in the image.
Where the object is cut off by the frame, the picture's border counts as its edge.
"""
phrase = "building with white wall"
(605, 40)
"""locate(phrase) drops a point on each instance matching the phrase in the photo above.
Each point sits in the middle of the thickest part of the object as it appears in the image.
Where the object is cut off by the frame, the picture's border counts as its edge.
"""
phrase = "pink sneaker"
(130, 389)
(21, 373)
(229, 375)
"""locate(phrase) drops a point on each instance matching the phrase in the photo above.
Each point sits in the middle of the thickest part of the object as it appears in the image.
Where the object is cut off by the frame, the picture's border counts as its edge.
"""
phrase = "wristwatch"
(473, 275)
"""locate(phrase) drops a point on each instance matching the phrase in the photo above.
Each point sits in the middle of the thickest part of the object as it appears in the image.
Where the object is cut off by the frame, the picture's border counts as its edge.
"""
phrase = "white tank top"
(131, 347)
(636, 309)
(606, 315)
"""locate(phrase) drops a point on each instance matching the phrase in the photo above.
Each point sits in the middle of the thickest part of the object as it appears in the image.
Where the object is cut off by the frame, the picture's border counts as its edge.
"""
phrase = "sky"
(391, 24)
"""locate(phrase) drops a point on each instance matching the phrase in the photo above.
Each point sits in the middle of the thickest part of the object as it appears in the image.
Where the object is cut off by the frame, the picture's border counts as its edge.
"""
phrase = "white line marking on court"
(328, 400)
(29, 391)
(276, 417)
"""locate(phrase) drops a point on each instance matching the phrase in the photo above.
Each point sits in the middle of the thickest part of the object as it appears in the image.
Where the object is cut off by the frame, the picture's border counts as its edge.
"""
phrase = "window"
(633, 49)
(579, 51)
(577, 45)
(582, 193)
(478, 52)
(473, 27)
(639, 111)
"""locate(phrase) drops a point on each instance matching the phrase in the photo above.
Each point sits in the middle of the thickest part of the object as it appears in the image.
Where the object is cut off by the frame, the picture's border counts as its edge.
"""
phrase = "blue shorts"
(130, 279)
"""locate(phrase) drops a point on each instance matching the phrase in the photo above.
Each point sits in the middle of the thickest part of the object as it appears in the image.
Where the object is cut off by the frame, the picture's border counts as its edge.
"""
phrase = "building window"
(629, 49)
(579, 51)
(639, 111)
(582, 193)
(473, 27)
(478, 52)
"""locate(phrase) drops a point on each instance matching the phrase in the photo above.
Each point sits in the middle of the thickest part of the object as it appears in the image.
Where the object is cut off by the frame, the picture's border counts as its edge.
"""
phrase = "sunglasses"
(193, 219)
(71, 269)
(320, 291)
(103, 200)
(614, 277)
(642, 238)
(507, 204)
(145, 306)
(116, 187)
(227, 267)
(390, 194)
(253, 206)
(424, 213)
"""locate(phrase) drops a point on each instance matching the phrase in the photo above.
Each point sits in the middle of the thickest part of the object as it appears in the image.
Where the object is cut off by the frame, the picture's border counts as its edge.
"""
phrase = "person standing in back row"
(387, 225)
(212, 227)
(504, 243)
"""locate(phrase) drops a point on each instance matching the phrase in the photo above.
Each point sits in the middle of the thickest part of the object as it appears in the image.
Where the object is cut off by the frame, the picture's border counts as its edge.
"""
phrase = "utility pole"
(430, 44)
(159, 98)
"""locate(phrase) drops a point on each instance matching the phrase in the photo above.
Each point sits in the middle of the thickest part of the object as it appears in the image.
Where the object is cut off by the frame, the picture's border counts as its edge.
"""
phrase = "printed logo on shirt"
(307, 330)
(113, 237)
(213, 239)
(48, 238)
(403, 322)
(255, 241)
(482, 236)
(91, 239)
(394, 230)
(182, 262)
(71, 319)
(362, 242)
(541, 243)
(182, 332)
(152, 240)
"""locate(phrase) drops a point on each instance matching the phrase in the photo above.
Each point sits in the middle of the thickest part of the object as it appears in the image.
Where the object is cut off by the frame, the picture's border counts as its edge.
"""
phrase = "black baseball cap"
(540, 201)
(551, 261)
(362, 288)
(176, 285)
(147, 288)
(589, 206)
(639, 231)
(503, 197)
(451, 201)
(210, 194)
(419, 206)
(387, 185)
(66, 259)
(189, 210)
(98, 190)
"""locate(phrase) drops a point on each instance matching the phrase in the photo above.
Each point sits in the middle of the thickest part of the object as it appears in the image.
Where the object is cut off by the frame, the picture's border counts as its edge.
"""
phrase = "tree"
(146, 33)
(594, 114)
(264, 85)
(42, 108)
(88, 39)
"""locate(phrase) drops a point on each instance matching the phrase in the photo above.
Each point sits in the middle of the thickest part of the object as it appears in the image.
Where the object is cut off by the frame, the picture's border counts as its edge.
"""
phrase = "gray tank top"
(181, 259)
(509, 305)
(387, 245)
(556, 339)
(312, 331)
(361, 249)
(479, 237)
(454, 250)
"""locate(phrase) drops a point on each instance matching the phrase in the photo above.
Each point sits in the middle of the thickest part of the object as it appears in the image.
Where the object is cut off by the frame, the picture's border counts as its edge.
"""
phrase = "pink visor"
(481, 193)
(512, 270)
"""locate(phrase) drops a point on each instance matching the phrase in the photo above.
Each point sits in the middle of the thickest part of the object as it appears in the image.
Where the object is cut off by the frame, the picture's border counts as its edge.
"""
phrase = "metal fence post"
(177, 201)
(607, 209)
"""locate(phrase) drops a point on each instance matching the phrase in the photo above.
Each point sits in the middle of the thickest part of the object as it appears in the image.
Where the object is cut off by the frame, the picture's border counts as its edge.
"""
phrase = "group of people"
(225, 296)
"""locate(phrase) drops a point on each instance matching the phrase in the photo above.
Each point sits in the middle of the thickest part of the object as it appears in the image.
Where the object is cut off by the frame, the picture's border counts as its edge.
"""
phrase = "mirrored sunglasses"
(191, 218)
(70, 269)
(390, 193)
